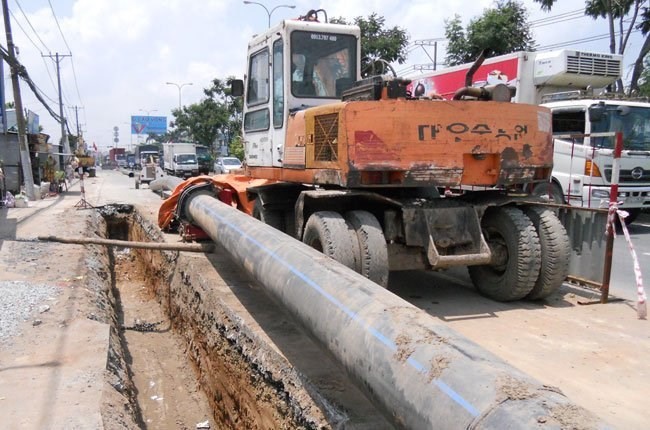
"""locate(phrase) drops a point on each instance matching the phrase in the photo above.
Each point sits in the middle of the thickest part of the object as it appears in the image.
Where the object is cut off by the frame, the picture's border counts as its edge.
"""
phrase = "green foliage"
(218, 113)
(378, 42)
(644, 80)
(500, 30)
(236, 147)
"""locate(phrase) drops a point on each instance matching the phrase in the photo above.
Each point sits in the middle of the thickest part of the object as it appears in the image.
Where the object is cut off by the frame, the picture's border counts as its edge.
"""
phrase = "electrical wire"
(22, 72)
(23, 30)
(59, 27)
(74, 72)
(583, 40)
(30, 25)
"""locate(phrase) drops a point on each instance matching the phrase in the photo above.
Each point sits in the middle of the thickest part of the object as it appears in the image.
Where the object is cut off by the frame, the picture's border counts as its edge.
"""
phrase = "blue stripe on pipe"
(355, 317)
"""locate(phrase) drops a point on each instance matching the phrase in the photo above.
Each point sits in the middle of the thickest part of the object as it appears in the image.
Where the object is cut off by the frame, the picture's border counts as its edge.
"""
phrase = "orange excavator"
(355, 167)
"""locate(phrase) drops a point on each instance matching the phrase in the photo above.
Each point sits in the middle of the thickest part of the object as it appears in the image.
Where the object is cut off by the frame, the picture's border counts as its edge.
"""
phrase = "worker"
(50, 169)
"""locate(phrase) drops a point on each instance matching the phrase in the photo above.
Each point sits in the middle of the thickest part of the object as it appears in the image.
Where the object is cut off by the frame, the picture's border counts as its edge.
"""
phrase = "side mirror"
(596, 112)
(237, 88)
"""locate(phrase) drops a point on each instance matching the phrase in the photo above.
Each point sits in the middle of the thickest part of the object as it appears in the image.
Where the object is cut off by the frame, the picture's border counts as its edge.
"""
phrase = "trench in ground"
(191, 357)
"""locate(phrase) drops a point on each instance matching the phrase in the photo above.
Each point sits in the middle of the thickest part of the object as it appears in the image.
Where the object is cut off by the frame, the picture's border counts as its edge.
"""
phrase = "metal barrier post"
(82, 204)
(613, 200)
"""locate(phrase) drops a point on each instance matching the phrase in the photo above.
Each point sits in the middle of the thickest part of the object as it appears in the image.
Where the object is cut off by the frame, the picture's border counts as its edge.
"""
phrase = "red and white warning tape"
(641, 307)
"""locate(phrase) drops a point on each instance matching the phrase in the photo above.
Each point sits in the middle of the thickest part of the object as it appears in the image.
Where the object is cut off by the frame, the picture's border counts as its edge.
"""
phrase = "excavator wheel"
(556, 251)
(549, 190)
(515, 248)
(373, 252)
(270, 217)
(329, 233)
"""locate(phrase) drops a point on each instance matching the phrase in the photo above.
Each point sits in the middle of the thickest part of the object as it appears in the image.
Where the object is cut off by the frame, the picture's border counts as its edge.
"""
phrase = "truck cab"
(583, 165)
(297, 64)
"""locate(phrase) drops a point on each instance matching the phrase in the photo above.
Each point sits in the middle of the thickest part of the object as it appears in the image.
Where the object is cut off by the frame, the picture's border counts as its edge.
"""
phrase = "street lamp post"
(269, 13)
(180, 87)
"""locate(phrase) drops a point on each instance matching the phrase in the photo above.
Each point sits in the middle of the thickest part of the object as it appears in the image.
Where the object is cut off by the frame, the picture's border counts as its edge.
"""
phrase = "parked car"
(226, 164)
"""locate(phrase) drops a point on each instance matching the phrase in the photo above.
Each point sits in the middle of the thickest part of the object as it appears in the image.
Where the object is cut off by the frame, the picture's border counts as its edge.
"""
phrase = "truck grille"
(626, 176)
(326, 132)
(593, 66)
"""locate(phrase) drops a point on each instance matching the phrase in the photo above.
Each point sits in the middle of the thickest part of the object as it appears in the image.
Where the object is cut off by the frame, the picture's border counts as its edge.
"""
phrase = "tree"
(626, 15)
(500, 30)
(644, 79)
(218, 113)
(236, 147)
(377, 42)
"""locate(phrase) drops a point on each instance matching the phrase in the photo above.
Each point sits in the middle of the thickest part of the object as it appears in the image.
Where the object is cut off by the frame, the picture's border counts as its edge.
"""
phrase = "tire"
(373, 251)
(329, 233)
(550, 190)
(555, 252)
(511, 236)
(270, 217)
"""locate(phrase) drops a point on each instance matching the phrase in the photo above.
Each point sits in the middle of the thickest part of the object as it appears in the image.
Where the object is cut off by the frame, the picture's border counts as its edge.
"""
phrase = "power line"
(59, 27)
(583, 40)
(30, 25)
(23, 30)
(558, 16)
(74, 72)
(544, 24)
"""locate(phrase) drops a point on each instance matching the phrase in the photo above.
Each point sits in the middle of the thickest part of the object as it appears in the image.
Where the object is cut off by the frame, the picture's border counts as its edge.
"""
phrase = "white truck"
(179, 159)
(572, 84)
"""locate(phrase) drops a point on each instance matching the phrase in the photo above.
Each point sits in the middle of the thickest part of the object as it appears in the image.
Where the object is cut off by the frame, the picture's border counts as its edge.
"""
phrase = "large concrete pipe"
(417, 370)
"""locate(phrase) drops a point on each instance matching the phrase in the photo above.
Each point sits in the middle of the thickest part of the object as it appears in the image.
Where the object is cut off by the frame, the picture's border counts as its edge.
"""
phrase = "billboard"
(445, 82)
(148, 124)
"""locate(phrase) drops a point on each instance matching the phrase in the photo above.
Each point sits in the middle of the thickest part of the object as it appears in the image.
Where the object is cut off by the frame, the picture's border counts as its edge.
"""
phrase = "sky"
(123, 52)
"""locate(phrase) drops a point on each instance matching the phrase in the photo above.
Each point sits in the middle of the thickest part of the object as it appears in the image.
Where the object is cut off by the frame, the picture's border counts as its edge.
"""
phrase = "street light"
(269, 13)
(179, 86)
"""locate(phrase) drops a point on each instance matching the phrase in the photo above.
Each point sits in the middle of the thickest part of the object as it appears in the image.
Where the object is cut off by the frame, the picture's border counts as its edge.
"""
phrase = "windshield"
(231, 162)
(322, 64)
(186, 159)
(633, 121)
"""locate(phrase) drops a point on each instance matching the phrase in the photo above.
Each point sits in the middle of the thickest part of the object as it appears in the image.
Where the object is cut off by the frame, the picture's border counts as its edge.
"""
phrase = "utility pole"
(64, 136)
(25, 161)
(79, 139)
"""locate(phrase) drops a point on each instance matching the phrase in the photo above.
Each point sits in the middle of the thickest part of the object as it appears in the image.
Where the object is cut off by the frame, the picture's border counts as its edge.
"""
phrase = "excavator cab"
(293, 66)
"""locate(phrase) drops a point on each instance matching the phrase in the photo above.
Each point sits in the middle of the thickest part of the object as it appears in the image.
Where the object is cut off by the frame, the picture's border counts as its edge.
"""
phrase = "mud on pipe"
(417, 370)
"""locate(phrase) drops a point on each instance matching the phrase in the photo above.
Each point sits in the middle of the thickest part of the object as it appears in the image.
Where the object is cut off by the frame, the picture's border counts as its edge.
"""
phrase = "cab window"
(569, 122)
(278, 85)
(258, 78)
(322, 64)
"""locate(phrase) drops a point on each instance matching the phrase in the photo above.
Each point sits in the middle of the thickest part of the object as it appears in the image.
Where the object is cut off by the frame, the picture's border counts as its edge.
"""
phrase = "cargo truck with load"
(572, 85)
(352, 167)
(144, 152)
(180, 159)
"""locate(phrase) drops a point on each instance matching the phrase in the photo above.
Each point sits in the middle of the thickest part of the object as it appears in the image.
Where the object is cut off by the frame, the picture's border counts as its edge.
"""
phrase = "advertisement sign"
(148, 124)
(445, 82)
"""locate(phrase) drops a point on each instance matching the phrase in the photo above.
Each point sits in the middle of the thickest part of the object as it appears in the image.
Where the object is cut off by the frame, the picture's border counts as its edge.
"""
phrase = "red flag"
(94, 147)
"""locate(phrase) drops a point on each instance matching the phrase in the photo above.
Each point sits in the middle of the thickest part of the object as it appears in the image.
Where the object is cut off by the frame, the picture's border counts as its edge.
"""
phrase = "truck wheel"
(555, 251)
(515, 255)
(373, 252)
(270, 217)
(329, 233)
(550, 190)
